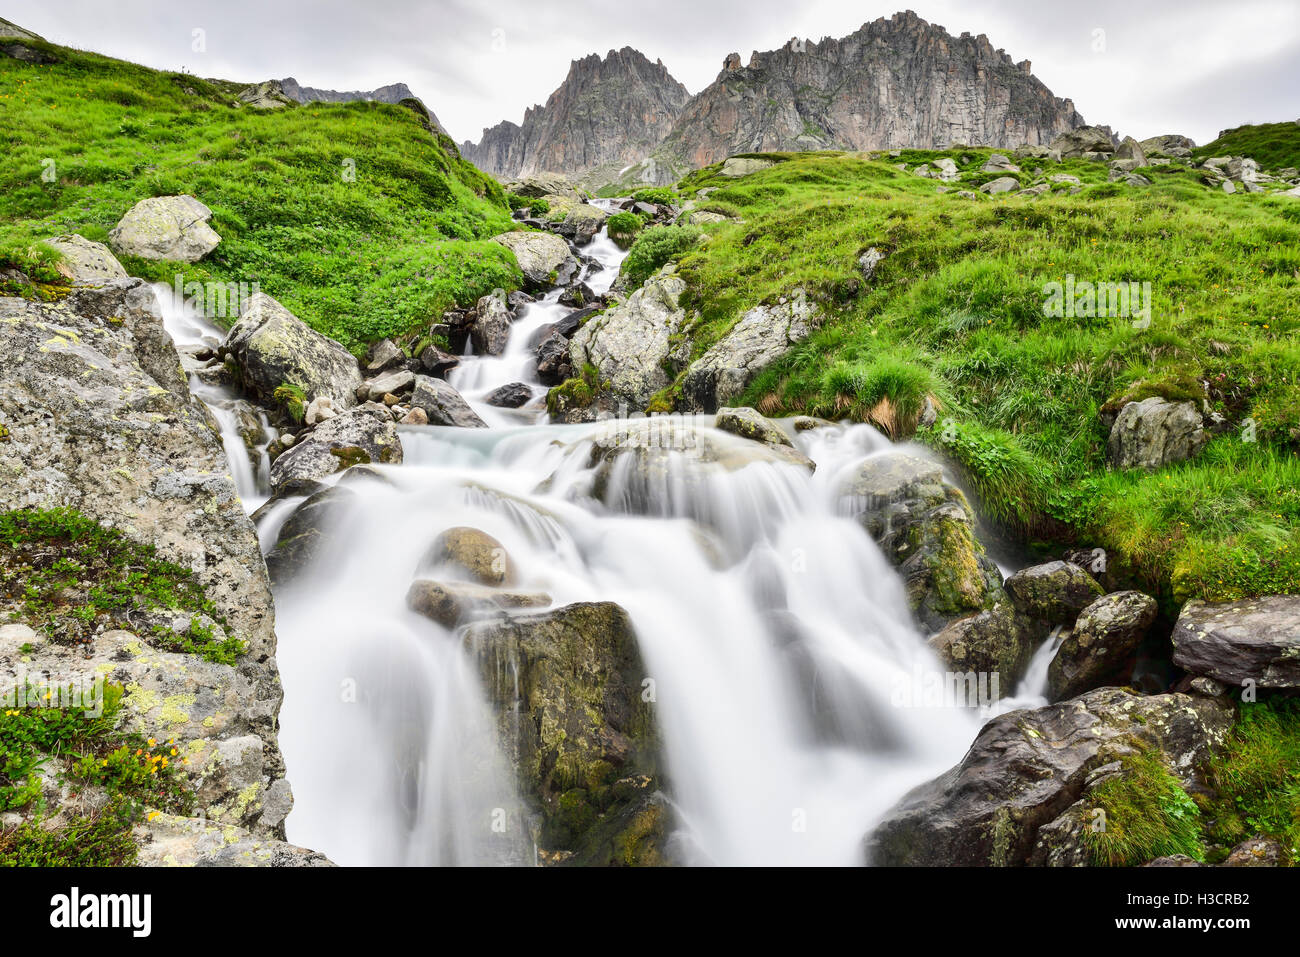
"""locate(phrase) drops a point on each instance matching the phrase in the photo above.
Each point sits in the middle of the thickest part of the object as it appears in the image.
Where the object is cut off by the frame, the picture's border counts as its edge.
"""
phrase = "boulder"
(361, 436)
(451, 603)
(1003, 184)
(443, 404)
(1165, 143)
(83, 262)
(997, 163)
(750, 424)
(165, 227)
(435, 361)
(469, 554)
(926, 529)
(267, 95)
(743, 166)
(1054, 592)
(512, 395)
(1252, 640)
(1155, 432)
(1026, 769)
(542, 185)
(630, 344)
(306, 532)
(553, 363)
(582, 223)
(1076, 143)
(390, 383)
(273, 347)
(1105, 635)
(490, 327)
(997, 643)
(947, 170)
(566, 686)
(384, 356)
(1131, 151)
(760, 337)
(544, 258)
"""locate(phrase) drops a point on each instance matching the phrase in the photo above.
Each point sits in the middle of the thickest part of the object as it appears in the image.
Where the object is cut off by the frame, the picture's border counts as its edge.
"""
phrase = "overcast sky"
(1142, 66)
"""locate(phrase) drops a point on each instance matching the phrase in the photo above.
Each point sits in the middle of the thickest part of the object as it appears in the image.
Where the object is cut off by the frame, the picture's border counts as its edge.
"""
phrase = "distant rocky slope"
(895, 82)
(392, 93)
(608, 112)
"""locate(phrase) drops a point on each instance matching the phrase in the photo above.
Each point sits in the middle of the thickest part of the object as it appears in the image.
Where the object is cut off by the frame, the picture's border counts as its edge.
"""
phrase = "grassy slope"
(955, 310)
(357, 260)
(1272, 145)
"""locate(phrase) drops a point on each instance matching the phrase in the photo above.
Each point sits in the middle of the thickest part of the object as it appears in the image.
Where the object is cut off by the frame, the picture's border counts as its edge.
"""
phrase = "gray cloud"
(1165, 65)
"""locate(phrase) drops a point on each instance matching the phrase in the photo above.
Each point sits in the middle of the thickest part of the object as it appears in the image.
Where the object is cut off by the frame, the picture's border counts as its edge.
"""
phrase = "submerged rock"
(450, 603)
(306, 532)
(471, 554)
(750, 424)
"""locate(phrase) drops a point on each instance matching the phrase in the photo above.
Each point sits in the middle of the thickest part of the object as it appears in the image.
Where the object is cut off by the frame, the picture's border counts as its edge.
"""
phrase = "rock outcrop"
(98, 418)
(898, 82)
(1155, 432)
(1105, 635)
(365, 435)
(544, 258)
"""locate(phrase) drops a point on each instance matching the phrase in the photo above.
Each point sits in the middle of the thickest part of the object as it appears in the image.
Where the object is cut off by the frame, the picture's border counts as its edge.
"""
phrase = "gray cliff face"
(607, 111)
(893, 83)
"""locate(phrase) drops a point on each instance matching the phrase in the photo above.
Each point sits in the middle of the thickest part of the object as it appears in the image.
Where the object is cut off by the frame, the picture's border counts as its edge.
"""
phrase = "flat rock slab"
(1255, 639)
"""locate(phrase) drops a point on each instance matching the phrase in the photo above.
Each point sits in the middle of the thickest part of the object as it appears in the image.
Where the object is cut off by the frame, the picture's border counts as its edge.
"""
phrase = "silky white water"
(775, 635)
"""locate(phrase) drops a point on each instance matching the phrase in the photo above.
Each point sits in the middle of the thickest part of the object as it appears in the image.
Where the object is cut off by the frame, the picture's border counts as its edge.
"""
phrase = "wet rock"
(390, 383)
(415, 417)
(544, 258)
(471, 554)
(359, 436)
(1252, 640)
(450, 603)
(566, 686)
(436, 362)
(165, 227)
(490, 330)
(925, 527)
(1105, 635)
(273, 347)
(750, 424)
(578, 296)
(513, 395)
(997, 643)
(1054, 592)
(1155, 432)
(760, 337)
(1027, 768)
(443, 404)
(582, 223)
(553, 363)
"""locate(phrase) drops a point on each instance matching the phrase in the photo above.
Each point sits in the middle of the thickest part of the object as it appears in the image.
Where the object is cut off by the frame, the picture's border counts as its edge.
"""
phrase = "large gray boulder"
(1086, 139)
(1026, 769)
(544, 258)
(273, 347)
(926, 529)
(1155, 432)
(440, 401)
(365, 435)
(1166, 142)
(1104, 636)
(85, 263)
(98, 417)
(165, 227)
(1054, 592)
(1254, 639)
(630, 344)
(759, 338)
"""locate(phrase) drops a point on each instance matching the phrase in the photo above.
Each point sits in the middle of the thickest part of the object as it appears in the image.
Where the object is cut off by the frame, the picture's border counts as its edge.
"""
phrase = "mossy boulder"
(365, 435)
(567, 688)
(926, 529)
(1105, 635)
(165, 227)
(751, 424)
(998, 642)
(1054, 592)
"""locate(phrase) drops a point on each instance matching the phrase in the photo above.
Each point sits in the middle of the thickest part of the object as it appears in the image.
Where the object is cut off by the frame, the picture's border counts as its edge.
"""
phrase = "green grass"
(382, 252)
(69, 576)
(1272, 145)
(955, 311)
(1147, 814)
(653, 248)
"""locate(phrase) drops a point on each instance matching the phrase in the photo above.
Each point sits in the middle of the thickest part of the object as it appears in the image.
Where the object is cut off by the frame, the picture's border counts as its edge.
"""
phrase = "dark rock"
(553, 363)
(1105, 635)
(306, 533)
(1254, 639)
(513, 395)
(997, 643)
(1055, 592)
(443, 404)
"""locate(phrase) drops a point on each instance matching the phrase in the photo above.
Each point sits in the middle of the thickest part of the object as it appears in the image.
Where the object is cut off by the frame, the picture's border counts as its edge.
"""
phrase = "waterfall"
(775, 632)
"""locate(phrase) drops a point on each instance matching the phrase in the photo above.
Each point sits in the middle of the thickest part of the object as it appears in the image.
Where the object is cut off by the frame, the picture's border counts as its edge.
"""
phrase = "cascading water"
(777, 636)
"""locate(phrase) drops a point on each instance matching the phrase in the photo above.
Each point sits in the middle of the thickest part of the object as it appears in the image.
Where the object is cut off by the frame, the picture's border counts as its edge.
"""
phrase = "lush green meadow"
(955, 313)
(355, 216)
